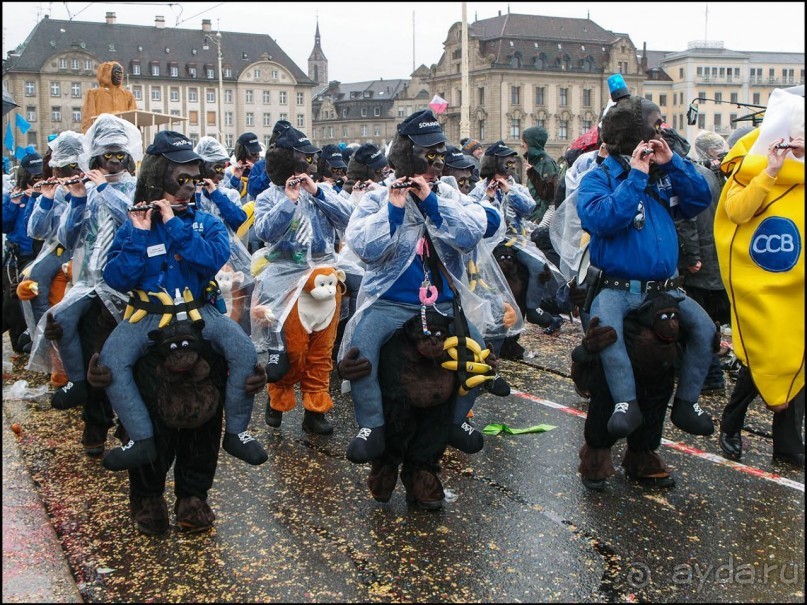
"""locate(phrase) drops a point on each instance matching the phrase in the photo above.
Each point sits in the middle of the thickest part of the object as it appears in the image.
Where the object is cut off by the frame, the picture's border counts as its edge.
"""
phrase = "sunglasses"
(120, 156)
(639, 220)
(463, 181)
(184, 179)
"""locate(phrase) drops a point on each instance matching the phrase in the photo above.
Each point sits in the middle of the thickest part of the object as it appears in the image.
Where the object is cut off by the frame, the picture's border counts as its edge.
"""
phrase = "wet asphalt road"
(519, 525)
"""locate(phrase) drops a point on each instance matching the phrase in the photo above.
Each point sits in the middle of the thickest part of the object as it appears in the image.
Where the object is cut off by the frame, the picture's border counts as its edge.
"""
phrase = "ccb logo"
(776, 245)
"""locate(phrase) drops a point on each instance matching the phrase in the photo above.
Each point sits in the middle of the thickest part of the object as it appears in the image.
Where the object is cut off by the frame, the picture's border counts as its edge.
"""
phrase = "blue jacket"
(607, 203)
(258, 180)
(187, 251)
(15, 223)
(232, 214)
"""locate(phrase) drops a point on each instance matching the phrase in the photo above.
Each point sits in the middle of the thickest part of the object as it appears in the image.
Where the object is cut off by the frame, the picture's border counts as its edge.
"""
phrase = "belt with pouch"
(636, 286)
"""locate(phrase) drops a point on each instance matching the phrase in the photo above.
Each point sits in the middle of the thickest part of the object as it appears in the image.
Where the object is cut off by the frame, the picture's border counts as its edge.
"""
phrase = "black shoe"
(713, 388)
(732, 445)
(273, 417)
(595, 485)
(131, 455)
(794, 459)
(276, 365)
(498, 387)
(554, 327)
(465, 438)
(690, 418)
(316, 422)
(626, 418)
(539, 317)
(24, 342)
(367, 445)
(70, 395)
(245, 447)
(668, 481)
(94, 438)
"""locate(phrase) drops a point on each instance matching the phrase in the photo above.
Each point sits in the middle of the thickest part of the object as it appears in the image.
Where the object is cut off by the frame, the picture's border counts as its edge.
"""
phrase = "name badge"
(155, 250)
(673, 201)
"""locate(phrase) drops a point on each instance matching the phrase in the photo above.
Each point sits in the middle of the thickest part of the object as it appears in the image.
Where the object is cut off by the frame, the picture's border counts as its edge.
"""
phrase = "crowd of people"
(165, 287)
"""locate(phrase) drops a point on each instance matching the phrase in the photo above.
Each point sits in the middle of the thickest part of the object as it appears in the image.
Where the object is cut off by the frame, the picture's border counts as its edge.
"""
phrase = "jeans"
(535, 289)
(128, 342)
(43, 273)
(612, 305)
(69, 344)
(375, 328)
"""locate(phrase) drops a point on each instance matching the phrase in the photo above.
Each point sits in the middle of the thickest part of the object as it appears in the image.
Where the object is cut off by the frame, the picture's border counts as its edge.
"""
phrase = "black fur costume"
(517, 277)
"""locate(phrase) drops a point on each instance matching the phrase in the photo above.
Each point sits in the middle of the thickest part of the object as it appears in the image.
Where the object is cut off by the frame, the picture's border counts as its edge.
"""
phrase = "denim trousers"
(129, 341)
(375, 328)
(43, 273)
(535, 289)
(612, 305)
(69, 344)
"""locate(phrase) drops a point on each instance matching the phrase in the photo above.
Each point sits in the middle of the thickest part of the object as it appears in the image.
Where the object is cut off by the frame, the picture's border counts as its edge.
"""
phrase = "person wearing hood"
(628, 206)
(109, 97)
(542, 172)
(759, 231)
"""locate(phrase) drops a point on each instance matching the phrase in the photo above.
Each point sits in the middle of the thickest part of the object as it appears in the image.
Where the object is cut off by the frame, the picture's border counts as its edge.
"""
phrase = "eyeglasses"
(463, 181)
(119, 155)
(639, 220)
(184, 179)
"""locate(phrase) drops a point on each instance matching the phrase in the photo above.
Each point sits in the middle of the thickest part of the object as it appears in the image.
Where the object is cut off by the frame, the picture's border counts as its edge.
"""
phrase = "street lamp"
(217, 42)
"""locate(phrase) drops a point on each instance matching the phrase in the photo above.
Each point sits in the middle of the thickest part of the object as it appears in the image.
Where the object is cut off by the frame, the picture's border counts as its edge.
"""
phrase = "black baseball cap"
(456, 159)
(249, 141)
(370, 155)
(500, 149)
(32, 163)
(422, 128)
(173, 145)
(295, 139)
(333, 155)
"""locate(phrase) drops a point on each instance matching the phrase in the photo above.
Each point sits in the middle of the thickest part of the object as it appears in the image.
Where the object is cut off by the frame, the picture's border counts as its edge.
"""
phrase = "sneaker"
(465, 438)
(273, 417)
(626, 418)
(193, 514)
(316, 422)
(277, 364)
(93, 438)
(731, 445)
(70, 395)
(150, 515)
(131, 455)
(554, 327)
(538, 317)
(689, 417)
(245, 447)
(367, 445)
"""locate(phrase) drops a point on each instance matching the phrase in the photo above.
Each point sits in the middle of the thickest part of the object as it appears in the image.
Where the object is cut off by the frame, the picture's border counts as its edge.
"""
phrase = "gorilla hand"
(598, 337)
(53, 329)
(353, 367)
(97, 375)
(256, 381)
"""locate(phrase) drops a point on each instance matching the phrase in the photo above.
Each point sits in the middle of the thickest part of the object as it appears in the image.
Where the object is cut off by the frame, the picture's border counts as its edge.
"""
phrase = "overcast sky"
(367, 41)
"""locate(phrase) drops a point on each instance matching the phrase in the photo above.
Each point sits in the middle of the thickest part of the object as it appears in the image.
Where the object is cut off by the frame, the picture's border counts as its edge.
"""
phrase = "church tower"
(317, 63)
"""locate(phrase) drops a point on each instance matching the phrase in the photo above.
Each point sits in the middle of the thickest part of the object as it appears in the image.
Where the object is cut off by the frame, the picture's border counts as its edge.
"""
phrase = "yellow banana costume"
(476, 367)
(759, 235)
(249, 208)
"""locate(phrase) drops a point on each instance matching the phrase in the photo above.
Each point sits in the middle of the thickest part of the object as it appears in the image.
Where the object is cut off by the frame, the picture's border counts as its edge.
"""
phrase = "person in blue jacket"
(168, 249)
(627, 205)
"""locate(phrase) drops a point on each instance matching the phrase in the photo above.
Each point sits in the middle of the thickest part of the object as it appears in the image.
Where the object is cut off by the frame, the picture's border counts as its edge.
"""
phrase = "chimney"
(159, 22)
(206, 27)
(110, 18)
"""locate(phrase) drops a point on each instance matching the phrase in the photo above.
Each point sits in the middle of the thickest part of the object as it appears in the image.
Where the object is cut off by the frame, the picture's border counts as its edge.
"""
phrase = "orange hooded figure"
(109, 97)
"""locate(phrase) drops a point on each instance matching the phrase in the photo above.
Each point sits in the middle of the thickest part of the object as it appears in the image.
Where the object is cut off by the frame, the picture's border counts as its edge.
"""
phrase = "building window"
(364, 130)
(210, 95)
(755, 99)
(174, 71)
(564, 96)
(228, 96)
(732, 118)
(300, 98)
(138, 93)
(77, 114)
(481, 130)
(284, 116)
(733, 97)
(300, 121)
(256, 73)
(30, 114)
(539, 95)
(228, 118)
(586, 97)
(192, 72)
(662, 100)
(401, 113)
(266, 139)
(156, 93)
(344, 112)
(702, 121)
(174, 112)
(228, 72)
(155, 69)
(87, 64)
(267, 120)
(515, 95)
(30, 89)
(74, 64)
(364, 112)
(229, 138)
(283, 99)
(649, 96)
(675, 122)
(62, 63)
(330, 132)
(55, 114)
(515, 128)
(193, 118)
(344, 132)
(75, 90)
(586, 125)
(680, 73)
(55, 89)
(250, 118)
(563, 130)
(377, 131)
(718, 97)
(541, 123)
(174, 94)
(267, 97)
(135, 69)
(275, 75)
(193, 95)
(718, 121)
(211, 118)
(376, 111)
(210, 73)
(249, 97)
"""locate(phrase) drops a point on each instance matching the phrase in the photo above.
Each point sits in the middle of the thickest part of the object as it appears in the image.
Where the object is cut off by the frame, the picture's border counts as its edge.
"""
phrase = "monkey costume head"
(169, 166)
(419, 147)
(290, 153)
(633, 119)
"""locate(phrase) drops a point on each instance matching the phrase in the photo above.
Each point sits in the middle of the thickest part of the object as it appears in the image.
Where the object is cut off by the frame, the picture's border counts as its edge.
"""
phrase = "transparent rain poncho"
(211, 150)
(387, 255)
(299, 238)
(708, 145)
(69, 147)
(112, 132)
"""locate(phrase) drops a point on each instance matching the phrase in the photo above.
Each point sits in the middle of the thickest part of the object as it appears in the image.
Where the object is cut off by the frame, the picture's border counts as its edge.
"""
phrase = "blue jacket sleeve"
(232, 214)
(10, 211)
(206, 252)
(126, 258)
(690, 186)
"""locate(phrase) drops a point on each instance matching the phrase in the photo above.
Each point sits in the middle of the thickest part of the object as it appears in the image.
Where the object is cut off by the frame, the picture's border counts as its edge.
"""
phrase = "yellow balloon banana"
(470, 366)
(470, 343)
(167, 301)
(472, 382)
(139, 313)
(194, 314)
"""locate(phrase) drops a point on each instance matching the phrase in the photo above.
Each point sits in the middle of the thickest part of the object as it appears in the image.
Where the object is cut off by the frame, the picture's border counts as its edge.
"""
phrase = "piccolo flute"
(294, 182)
(402, 185)
(16, 194)
(360, 185)
(153, 205)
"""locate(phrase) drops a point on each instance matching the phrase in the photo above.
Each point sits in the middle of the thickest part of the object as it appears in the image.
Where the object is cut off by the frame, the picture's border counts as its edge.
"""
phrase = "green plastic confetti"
(495, 429)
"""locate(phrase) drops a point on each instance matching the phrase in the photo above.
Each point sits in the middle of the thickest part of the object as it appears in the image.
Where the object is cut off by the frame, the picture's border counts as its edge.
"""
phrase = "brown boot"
(424, 488)
(194, 514)
(382, 480)
(94, 438)
(150, 515)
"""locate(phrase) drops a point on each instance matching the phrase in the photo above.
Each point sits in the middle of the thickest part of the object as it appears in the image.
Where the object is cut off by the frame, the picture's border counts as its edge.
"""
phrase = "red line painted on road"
(678, 446)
